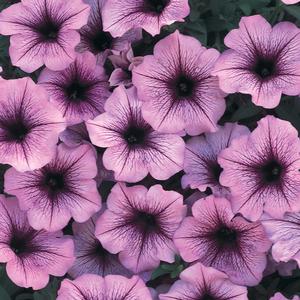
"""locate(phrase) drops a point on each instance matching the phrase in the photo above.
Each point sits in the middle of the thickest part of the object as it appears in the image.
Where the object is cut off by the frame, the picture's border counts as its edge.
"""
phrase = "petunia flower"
(200, 282)
(262, 170)
(290, 1)
(100, 42)
(279, 296)
(262, 61)
(43, 32)
(283, 268)
(29, 125)
(216, 237)
(134, 148)
(177, 88)
(62, 189)
(30, 255)
(139, 224)
(75, 135)
(284, 233)
(121, 15)
(124, 64)
(201, 166)
(90, 255)
(80, 90)
(111, 287)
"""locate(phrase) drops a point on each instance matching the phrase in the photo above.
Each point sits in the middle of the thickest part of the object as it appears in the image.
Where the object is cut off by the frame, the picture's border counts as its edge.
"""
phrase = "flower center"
(54, 181)
(271, 172)
(48, 30)
(146, 222)
(206, 297)
(155, 6)
(226, 236)
(264, 68)
(184, 86)
(76, 91)
(16, 131)
(21, 242)
(216, 171)
(135, 135)
(101, 41)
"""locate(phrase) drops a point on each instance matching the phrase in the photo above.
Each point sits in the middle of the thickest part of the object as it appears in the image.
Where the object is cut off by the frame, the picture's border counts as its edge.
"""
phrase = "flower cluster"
(120, 164)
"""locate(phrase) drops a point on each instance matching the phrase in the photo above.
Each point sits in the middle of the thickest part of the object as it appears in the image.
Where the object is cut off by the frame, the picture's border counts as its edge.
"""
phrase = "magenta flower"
(43, 32)
(262, 170)
(121, 15)
(200, 161)
(75, 135)
(279, 296)
(29, 125)
(200, 282)
(284, 233)
(111, 287)
(262, 61)
(176, 86)
(62, 189)
(91, 257)
(139, 224)
(124, 64)
(100, 42)
(79, 91)
(30, 255)
(290, 1)
(134, 148)
(217, 238)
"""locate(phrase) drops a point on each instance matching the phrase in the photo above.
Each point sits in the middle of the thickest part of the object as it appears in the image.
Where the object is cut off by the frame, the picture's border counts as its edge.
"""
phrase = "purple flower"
(262, 170)
(29, 125)
(284, 233)
(121, 15)
(290, 1)
(201, 166)
(279, 296)
(176, 86)
(80, 90)
(62, 189)
(111, 287)
(91, 257)
(134, 148)
(217, 238)
(100, 42)
(262, 61)
(43, 32)
(30, 255)
(140, 224)
(200, 282)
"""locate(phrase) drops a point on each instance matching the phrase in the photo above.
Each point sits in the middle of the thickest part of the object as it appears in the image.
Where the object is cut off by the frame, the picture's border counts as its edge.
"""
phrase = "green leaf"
(293, 10)
(3, 294)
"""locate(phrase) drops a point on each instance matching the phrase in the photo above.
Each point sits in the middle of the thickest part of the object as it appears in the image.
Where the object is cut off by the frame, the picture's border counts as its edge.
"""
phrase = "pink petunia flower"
(283, 268)
(124, 64)
(62, 189)
(79, 91)
(262, 61)
(100, 42)
(30, 255)
(177, 88)
(111, 287)
(91, 257)
(262, 170)
(279, 296)
(43, 32)
(139, 224)
(134, 148)
(217, 238)
(201, 166)
(29, 125)
(290, 1)
(75, 135)
(200, 282)
(284, 233)
(121, 15)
